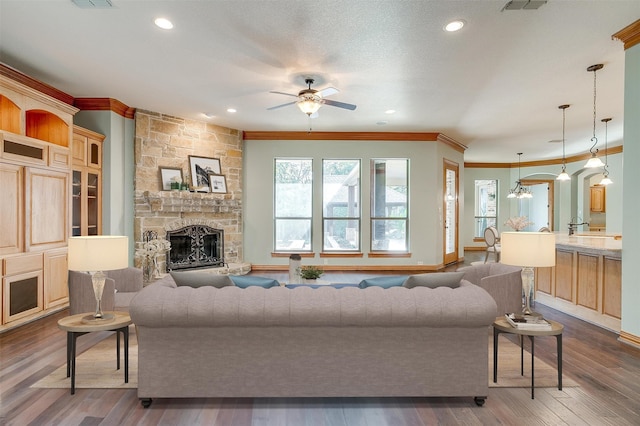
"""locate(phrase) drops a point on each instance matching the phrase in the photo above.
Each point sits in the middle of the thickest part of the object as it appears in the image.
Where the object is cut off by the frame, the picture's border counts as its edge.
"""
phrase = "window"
(341, 205)
(486, 208)
(293, 204)
(389, 204)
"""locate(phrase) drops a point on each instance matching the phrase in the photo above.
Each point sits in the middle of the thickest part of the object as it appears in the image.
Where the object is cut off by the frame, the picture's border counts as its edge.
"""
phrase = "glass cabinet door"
(76, 201)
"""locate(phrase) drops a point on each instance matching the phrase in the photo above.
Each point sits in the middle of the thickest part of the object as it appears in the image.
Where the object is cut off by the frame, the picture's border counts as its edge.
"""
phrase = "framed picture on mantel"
(217, 184)
(200, 168)
(170, 178)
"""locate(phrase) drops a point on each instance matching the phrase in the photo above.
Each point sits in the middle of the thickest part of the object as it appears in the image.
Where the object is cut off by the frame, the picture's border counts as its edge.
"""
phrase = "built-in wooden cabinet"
(35, 202)
(87, 182)
(598, 199)
(586, 283)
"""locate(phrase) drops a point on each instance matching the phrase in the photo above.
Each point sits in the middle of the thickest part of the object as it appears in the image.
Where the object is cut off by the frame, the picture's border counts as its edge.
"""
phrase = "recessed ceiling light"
(163, 23)
(232, 110)
(390, 111)
(381, 123)
(454, 25)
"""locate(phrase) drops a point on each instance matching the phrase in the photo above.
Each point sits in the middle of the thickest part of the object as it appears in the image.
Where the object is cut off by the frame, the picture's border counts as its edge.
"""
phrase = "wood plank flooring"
(607, 371)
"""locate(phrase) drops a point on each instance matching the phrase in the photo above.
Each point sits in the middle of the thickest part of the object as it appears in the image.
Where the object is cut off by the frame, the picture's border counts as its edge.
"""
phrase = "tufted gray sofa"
(304, 342)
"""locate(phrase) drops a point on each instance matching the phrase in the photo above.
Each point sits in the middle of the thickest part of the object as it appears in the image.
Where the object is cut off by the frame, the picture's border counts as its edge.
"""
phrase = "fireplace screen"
(195, 246)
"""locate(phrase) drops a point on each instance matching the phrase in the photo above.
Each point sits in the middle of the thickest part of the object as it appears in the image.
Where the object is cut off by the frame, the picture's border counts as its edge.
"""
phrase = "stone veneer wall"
(166, 141)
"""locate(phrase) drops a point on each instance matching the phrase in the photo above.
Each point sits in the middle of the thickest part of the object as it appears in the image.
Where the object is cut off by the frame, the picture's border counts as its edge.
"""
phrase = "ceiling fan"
(310, 100)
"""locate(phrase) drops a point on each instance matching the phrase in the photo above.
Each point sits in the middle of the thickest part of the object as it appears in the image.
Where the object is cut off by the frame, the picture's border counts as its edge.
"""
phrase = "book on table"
(527, 322)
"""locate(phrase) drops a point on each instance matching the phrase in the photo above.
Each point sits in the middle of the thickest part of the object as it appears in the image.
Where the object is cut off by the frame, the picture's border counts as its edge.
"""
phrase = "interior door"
(451, 213)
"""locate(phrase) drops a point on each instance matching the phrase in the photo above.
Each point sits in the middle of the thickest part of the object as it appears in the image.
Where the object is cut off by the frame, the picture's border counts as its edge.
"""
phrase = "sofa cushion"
(200, 279)
(384, 282)
(244, 281)
(433, 280)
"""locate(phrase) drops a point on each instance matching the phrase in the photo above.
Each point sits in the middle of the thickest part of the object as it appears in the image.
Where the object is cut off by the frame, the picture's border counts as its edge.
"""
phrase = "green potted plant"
(310, 272)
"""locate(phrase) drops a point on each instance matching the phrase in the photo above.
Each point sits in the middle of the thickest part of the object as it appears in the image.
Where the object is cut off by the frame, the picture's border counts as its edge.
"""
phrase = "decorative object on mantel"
(171, 178)
(201, 168)
(148, 253)
(518, 223)
(217, 184)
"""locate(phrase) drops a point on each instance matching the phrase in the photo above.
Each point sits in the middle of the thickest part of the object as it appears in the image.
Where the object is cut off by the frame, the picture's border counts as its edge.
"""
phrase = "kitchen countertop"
(595, 242)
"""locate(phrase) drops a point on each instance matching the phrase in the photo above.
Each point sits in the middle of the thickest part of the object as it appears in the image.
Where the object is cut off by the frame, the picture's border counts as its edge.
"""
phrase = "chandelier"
(519, 191)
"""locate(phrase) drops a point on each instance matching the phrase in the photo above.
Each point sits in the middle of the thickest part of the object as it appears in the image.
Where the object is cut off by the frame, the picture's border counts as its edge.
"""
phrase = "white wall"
(425, 198)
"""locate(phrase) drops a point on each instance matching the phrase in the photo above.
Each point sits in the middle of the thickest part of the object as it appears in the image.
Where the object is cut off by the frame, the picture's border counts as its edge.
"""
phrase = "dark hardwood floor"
(608, 374)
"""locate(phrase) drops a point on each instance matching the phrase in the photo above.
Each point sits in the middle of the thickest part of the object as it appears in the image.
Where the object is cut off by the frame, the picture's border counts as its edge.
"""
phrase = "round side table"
(501, 325)
(76, 327)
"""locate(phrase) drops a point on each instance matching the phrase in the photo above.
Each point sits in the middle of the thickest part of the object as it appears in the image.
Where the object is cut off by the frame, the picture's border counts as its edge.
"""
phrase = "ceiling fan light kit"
(310, 100)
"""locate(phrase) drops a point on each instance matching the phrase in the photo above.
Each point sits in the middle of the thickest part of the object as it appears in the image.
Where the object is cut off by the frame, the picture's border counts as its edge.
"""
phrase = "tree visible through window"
(486, 208)
(341, 205)
(293, 204)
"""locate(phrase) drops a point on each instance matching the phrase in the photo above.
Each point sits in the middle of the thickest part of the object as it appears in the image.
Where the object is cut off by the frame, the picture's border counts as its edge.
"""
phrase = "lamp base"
(92, 319)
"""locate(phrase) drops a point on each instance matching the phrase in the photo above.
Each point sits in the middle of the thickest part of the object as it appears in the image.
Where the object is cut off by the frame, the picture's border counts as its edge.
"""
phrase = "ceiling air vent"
(93, 4)
(523, 4)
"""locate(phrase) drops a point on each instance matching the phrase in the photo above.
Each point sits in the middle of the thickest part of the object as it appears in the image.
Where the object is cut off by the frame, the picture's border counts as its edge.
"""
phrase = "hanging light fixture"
(519, 191)
(605, 179)
(594, 161)
(563, 175)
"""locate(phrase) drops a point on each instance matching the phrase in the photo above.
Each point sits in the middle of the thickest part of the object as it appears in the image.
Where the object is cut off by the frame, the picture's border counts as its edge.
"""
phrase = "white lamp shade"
(98, 253)
(528, 248)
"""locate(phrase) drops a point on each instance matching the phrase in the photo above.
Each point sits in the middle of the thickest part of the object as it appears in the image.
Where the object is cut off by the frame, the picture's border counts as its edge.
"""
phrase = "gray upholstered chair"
(502, 282)
(120, 287)
(492, 239)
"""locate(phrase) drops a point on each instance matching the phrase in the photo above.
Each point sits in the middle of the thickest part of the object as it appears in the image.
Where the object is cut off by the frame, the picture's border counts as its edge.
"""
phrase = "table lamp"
(528, 250)
(94, 255)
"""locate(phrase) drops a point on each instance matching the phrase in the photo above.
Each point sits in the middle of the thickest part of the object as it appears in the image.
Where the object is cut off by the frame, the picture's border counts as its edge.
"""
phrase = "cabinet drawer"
(22, 263)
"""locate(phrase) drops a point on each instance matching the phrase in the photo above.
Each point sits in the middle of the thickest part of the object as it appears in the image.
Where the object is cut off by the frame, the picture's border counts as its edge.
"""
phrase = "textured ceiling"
(494, 86)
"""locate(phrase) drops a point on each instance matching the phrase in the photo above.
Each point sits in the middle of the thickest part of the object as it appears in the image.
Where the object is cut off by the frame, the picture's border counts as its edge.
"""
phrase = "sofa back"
(163, 304)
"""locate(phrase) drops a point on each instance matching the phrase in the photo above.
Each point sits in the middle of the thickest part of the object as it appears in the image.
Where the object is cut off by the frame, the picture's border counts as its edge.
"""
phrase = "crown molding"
(34, 84)
(571, 159)
(105, 104)
(629, 35)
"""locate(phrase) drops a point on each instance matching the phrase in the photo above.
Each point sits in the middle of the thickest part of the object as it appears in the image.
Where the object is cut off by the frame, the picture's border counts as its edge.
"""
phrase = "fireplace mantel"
(189, 202)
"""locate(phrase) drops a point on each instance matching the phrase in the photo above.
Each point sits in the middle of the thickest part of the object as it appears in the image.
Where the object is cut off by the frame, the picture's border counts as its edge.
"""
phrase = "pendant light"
(563, 175)
(594, 161)
(519, 191)
(605, 180)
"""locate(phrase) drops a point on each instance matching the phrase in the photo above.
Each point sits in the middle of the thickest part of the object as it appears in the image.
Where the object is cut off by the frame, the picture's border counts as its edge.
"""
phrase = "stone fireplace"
(195, 246)
(205, 228)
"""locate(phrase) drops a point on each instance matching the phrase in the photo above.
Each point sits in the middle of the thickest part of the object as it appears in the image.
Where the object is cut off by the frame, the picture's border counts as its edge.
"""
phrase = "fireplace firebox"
(195, 246)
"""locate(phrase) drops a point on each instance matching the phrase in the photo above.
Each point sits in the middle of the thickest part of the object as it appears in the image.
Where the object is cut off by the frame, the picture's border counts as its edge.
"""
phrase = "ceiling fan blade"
(280, 106)
(339, 104)
(328, 91)
(282, 93)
